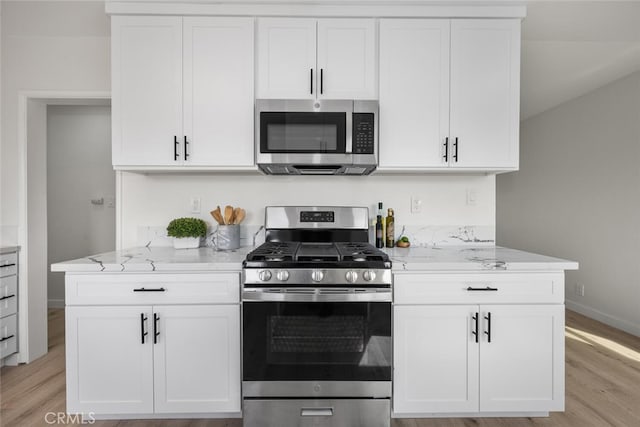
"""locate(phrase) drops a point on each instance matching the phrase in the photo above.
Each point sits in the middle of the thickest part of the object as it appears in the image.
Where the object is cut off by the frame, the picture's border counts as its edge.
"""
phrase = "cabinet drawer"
(479, 288)
(144, 289)
(8, 264)
(8, 295)
(8, 335)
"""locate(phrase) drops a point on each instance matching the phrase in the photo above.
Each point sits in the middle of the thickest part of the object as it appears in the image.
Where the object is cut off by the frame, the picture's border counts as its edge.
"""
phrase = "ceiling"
(570, 48)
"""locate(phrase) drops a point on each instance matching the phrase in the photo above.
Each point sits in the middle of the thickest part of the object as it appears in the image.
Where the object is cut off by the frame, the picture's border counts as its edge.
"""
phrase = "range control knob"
(369, 275)
(317, 275)
(264, 275)
(351, 276)
(282, 275)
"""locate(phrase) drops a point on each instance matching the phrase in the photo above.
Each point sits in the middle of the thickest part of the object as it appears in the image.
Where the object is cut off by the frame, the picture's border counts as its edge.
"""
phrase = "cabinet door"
(435, 359)
(485, 92)
(522, 368)
(197, 359)
(218, 91)
(414, 93)
(286, 58)
(347, 59)
(146, 78)
(109, 369)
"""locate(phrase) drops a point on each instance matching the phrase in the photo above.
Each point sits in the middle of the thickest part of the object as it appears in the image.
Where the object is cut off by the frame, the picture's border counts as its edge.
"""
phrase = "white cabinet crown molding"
(320, 8)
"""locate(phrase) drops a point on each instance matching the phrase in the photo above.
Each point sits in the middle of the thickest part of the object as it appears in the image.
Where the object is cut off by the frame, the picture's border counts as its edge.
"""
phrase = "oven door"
(317, 349)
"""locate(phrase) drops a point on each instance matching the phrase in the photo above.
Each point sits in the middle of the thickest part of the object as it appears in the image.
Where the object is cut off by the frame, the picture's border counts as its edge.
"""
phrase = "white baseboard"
(600, 316)
(55, 303)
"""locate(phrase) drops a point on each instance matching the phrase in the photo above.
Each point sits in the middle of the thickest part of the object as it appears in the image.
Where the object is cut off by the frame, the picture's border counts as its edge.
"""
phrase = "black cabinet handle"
(311, 69)
(175, 147)
(446, 150)
(7, 338)
(7, 297)
(7, 265)
(156, 331)
(488, 331)
(475, 321)
(143, 333)
(149, 290)
(186, 151)
(321, 81)
(455, 153)
(487, 288)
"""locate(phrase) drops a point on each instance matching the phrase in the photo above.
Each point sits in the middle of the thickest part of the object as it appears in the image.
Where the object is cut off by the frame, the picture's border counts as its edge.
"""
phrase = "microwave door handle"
(349, 133)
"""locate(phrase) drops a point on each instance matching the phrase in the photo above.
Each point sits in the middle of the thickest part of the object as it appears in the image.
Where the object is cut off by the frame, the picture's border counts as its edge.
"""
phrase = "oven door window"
(303, 132)
(289, 341)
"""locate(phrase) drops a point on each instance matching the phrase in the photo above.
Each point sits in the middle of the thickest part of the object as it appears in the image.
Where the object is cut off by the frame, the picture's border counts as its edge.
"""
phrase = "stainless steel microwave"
(316, 137)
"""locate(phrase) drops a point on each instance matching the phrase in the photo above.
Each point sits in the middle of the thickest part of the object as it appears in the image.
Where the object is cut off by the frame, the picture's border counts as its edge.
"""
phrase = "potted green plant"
(186, 232)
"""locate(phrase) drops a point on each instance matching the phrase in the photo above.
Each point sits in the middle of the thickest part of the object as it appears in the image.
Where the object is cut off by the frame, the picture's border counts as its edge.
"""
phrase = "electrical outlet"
(579, 289)
(471, 197)
(416, 205)
(195, 204)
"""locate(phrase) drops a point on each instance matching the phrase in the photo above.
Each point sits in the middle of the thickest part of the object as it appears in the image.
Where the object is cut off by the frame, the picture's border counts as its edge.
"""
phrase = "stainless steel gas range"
(316, 322)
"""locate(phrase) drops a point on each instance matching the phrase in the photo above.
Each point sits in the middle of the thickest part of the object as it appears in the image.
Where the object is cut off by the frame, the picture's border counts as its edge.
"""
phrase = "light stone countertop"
(9, 249)
(469, 258)
(162, 259)
(449, 258)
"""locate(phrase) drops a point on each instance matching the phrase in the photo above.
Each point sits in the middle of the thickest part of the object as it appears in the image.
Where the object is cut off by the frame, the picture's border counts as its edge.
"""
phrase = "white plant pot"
(186, 242)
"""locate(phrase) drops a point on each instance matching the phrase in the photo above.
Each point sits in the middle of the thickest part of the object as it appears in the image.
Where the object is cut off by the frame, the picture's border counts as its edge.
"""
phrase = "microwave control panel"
(363, 133)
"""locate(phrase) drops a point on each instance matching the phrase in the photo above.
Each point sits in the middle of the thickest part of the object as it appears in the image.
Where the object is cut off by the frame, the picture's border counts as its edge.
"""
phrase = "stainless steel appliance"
(316, 137)
(316, 322)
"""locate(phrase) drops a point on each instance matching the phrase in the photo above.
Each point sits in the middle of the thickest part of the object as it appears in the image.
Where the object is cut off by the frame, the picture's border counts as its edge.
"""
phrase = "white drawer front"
(8, 335)
(145, 289)
(479, 288)
(8, 264)
(8, 295)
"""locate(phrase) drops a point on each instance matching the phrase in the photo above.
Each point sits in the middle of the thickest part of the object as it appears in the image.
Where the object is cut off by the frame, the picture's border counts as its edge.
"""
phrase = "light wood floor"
(602, 385)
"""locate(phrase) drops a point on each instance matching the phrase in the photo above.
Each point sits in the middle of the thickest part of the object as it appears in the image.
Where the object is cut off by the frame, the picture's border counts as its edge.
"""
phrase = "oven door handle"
(320, 295)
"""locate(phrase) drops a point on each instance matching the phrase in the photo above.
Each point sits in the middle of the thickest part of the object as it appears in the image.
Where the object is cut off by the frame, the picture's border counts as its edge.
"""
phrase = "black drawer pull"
(175, 147)
(488, 331)
(475, 320)
(7, 338)
(7, 297)
(488, 288)
(7, 265)
(156, 330)
(143, 333)
(149, 290)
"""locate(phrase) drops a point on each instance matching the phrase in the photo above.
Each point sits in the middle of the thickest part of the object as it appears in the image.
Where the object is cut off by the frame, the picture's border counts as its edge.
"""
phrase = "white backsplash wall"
(152, 200)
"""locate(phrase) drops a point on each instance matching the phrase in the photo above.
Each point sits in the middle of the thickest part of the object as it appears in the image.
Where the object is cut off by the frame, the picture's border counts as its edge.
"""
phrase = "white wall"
(46, 46)
(577, 196)
(78, 169)
(155, 199)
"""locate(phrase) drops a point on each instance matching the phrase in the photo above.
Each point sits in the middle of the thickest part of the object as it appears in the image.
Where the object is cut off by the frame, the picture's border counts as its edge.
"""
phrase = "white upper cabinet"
(301, 58)
(414, 92)
(449, 94)
(182, 92)
(286, 58)
(347, 58)
(485, 92)
(146, 80)
(218, 91)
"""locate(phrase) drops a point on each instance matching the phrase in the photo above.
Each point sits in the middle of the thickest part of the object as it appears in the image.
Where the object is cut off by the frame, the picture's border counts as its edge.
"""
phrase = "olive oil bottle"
(389, 223)
(379, 228)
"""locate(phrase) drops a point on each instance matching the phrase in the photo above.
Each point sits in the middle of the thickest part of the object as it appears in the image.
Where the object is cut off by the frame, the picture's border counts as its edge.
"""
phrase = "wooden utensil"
(239, 216)
(217, 215)
(228, 213)
(236, 211)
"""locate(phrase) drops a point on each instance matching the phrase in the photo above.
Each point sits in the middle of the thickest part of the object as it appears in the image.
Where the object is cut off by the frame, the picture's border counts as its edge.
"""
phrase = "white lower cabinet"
(491, 358)
(158, 358)
(109, 370)
(197, 359)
